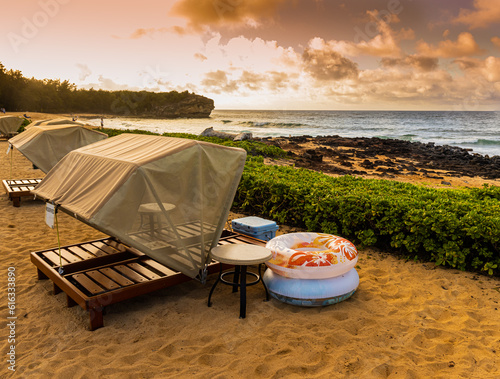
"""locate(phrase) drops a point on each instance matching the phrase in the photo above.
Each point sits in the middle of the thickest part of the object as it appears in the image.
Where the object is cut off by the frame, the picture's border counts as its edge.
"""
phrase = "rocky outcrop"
(387, 157)
(193, 106)
(210, 132)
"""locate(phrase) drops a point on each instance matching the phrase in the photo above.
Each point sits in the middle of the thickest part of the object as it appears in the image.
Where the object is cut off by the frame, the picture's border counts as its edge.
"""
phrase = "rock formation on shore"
(210, 132)
(385, 157)
(193, 106)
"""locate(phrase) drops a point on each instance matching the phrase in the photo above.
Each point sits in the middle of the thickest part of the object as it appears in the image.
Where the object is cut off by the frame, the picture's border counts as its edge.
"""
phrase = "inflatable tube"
(311, 292)
(311, 255)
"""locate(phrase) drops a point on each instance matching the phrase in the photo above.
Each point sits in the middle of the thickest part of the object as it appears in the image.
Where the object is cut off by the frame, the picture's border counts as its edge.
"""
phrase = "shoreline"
(407, 319)
(389, 159)
(372, 158)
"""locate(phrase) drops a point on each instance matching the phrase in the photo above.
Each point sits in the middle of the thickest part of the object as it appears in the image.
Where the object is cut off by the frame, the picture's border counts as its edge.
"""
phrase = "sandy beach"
(406, 320)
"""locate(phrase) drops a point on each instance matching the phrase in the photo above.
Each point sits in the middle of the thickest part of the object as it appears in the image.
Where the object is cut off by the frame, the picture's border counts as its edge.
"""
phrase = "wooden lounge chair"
(19, 188)
(103, 272)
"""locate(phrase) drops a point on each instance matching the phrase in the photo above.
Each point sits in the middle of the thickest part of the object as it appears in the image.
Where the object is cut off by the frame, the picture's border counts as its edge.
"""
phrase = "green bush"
(453, 227)
(253, 148)
(23, 126)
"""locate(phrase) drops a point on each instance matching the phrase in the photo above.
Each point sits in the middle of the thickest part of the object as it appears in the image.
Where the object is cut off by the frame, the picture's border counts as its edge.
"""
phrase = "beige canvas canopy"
(167, 197)
(56, 121)
(9, 124)
(47, 142)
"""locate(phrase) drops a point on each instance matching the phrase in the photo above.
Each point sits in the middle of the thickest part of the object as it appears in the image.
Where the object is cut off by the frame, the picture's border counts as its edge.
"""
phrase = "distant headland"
(18, 94)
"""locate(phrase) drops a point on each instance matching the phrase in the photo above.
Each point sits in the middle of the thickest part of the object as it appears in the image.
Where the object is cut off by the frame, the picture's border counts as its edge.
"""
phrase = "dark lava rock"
(410, 155)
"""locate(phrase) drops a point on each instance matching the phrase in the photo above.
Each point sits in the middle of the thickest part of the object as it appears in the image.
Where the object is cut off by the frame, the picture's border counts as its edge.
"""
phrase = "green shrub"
(453, 227)
(253, 148)
(23, 126)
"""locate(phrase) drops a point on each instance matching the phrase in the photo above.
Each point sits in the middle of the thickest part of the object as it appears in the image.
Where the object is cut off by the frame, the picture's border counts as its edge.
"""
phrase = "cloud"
(488, 69)
(256, 55)
(108, 84)
(322, 62)
(496, 41)
(85, 71)
(467, 63)
(464, 46)
(419, 62)
(200, 57)
(377, 38)
(201, 13)
(149, 32)
(486, 12)
(218, 82)
(410, 88)
(492, 69)
(251, 80)
(277, 81)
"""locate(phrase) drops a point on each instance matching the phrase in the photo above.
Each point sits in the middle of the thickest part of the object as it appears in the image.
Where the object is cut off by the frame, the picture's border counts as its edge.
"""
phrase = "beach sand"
(406, 320)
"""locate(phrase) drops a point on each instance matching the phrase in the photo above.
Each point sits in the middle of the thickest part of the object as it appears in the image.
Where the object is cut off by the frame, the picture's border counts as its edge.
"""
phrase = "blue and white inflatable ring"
(311, 292)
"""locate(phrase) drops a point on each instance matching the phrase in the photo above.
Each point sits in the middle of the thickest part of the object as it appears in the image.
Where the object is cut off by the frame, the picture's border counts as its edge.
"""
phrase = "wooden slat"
(106, 248)
(131, 273)
(103, 280)
(234, 240)
(92, 249)
(80, 252)
(115, 244)
(193, 228)
(116, 276)
(69, 256)
(53, 257)
(158, 266)
(143, 271)
(183, 233)
(87, 283)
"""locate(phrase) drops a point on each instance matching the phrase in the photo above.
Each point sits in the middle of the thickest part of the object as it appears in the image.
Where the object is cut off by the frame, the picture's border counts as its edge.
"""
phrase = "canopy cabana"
(55, 121)
(9, 125)
(167, 197)
(46, 142)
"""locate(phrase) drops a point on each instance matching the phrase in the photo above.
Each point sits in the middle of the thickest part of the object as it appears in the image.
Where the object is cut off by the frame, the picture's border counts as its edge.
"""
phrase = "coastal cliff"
(193, 106)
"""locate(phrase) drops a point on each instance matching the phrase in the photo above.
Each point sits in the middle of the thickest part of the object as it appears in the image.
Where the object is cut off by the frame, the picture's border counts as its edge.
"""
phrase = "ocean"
(477, 131)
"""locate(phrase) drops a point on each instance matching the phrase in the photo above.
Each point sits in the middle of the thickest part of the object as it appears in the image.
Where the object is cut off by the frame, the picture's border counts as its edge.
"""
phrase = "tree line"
(20, 94)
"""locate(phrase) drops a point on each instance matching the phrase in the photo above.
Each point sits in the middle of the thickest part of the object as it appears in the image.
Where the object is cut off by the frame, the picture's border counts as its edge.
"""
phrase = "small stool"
(152, 209)
(240, 255)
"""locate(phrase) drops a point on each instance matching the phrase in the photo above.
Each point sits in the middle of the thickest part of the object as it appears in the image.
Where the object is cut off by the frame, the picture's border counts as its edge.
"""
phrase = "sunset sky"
(267, 54)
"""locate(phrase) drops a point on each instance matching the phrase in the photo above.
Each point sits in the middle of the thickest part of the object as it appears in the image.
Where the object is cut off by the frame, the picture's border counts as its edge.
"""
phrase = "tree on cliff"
(18, 93)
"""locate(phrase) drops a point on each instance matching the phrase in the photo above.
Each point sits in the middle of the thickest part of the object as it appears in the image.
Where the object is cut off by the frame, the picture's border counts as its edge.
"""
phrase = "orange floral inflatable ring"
(311, 255)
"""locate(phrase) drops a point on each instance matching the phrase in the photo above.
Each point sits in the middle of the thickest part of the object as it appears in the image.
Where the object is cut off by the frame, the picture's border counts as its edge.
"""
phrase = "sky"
(267, 54)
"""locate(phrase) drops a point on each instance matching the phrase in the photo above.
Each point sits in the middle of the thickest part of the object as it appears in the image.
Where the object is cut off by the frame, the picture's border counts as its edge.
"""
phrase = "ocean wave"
(404, 137)
(270, 124)
(482, 142)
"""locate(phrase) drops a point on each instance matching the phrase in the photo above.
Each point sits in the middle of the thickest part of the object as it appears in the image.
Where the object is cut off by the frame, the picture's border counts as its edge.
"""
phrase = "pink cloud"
(489, 68)
(496, 41)
(486, 12)
(464, 46)
(419, 62)
(382, 41)
(202, 13)
(324, 63)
